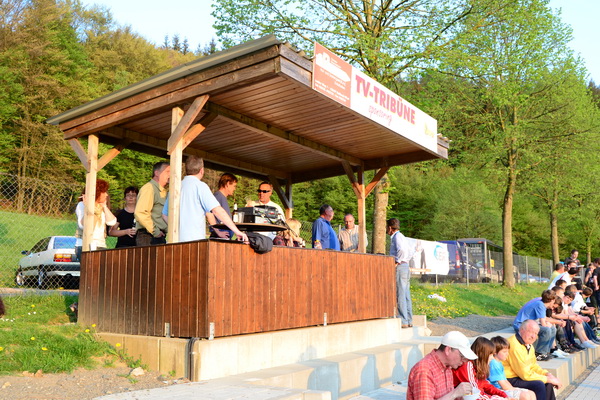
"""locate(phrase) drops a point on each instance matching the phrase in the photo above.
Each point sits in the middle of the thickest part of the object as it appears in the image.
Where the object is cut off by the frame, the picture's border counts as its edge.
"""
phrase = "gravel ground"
(81, 384)
(472, 325)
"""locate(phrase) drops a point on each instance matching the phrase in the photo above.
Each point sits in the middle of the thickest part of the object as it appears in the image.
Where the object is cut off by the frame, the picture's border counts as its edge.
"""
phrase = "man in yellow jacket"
(521, 367)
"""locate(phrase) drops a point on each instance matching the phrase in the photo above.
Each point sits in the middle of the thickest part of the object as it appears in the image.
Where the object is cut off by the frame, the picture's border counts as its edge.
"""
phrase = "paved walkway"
(588, 389)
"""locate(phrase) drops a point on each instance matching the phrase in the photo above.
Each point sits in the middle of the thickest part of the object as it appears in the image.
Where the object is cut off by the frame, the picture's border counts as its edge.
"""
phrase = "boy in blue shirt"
(497, 376)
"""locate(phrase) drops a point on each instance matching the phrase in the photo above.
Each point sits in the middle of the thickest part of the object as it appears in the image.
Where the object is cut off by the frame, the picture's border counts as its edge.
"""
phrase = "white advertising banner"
(429, 257)
(345, 84)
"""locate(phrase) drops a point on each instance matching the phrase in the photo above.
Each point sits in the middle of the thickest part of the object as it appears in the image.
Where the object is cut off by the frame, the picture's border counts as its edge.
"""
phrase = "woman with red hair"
(102, 216)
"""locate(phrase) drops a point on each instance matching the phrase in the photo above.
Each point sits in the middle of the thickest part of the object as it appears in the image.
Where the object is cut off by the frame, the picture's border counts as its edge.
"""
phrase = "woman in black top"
(124, 229)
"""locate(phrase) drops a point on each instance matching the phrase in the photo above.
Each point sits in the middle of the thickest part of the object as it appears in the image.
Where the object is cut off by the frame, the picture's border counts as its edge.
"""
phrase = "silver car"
(51, 261)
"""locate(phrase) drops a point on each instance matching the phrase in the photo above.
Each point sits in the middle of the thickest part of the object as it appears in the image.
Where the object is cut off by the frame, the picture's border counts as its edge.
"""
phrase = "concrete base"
(235, 355)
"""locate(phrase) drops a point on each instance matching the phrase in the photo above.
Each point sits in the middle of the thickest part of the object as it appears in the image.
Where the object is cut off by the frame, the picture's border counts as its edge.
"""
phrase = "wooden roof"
(262, 118)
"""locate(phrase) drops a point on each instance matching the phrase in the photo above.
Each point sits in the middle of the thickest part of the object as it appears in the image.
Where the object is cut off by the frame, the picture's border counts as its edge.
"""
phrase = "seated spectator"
(577, 321)
(521, 367)
(561, 283)
(290, 237)
(567, 276)
(580, 306)
(497, 376)
(559, 268)
(565, 342)
(586, 319)
(476, 372)
(431, 378)
(536, 310)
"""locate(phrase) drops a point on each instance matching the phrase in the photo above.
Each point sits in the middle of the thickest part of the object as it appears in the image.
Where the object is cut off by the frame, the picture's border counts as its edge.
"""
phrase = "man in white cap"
(431, 378)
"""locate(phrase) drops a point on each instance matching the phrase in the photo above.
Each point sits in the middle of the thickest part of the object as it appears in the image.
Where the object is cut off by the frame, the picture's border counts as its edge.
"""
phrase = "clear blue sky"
(191, 19)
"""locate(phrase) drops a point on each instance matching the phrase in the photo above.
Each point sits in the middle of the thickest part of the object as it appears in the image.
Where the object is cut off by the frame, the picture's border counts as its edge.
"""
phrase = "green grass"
(482, 299)
(37, 334)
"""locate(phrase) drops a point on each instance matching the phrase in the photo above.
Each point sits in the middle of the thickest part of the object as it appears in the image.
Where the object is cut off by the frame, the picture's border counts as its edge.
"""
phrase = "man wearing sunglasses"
(265, 190)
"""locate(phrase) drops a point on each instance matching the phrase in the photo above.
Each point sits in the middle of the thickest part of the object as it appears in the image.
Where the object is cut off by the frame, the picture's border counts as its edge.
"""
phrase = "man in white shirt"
(265, 190)
(402, 253)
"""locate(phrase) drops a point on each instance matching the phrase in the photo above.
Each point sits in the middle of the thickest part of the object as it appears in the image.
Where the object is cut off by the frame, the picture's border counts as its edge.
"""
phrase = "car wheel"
(20, 278)
(42, 281)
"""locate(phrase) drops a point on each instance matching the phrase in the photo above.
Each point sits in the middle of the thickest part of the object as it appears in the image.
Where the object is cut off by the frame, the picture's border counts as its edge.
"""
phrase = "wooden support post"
(90, 191)
(362, 216)
(358, 185)
(284, 196)
(175, 179)
(288, 192)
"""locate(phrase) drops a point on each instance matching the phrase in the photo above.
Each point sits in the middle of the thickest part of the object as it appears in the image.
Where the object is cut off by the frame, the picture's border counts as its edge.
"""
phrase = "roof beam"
(225, 162)
(280, 134)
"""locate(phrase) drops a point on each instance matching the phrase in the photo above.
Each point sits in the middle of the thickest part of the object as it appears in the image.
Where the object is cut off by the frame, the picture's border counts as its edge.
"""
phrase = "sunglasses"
(263, 191)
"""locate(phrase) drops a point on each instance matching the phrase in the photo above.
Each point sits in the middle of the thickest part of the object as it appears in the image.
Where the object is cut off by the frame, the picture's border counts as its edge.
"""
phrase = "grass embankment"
(482, 299)
(38, 333)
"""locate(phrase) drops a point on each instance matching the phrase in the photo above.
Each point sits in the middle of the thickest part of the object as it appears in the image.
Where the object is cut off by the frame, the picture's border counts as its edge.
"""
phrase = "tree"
(515, 66)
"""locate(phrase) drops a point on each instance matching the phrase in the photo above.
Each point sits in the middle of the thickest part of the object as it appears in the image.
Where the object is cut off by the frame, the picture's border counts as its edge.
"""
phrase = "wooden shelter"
(249, 110)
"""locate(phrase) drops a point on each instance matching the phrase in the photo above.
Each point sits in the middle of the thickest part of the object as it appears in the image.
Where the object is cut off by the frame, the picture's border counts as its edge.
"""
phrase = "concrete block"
(172, 357)
(316, 395)
(217, 358)
(292, 347)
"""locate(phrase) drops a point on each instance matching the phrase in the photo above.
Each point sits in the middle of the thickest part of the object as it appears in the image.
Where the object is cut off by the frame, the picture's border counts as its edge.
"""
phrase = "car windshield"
(64, 242)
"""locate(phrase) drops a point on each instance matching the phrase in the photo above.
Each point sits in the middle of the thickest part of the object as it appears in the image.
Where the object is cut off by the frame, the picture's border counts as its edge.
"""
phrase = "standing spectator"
(323, 235)
(573, 257)
(348, 235)
(151, 227)
(521, 367)
(431, 378)
(596, 285)
(265, 190)
(124, 229)
(227, 186)
(195, 201)
(103, 217)
(402, 253)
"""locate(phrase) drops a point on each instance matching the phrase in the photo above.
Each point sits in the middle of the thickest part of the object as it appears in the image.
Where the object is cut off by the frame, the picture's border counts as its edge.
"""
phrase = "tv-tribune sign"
(340, 81)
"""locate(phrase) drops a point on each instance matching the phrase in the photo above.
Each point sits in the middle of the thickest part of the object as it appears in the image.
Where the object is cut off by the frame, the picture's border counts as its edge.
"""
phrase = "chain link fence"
(37, 225)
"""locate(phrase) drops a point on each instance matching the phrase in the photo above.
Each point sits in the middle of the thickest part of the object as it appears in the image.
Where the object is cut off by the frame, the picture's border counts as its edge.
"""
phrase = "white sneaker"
(559, 354)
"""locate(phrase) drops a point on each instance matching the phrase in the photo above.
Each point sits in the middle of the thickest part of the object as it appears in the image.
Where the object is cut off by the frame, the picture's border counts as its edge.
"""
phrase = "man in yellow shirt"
(521, 367)
(150, 225)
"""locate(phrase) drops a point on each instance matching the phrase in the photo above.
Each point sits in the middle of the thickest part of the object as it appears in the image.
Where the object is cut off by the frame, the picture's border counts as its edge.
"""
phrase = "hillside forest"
(498, 75)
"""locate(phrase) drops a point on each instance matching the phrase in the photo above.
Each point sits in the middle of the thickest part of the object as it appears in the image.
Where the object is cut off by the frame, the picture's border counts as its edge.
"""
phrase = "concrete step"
(345, 375)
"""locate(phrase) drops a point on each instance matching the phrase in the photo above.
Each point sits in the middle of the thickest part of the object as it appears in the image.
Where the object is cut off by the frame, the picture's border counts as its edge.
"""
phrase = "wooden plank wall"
(189, 285)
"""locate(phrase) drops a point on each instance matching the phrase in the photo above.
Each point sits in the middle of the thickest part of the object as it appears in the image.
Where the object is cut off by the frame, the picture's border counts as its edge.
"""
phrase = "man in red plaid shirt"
(431, 378)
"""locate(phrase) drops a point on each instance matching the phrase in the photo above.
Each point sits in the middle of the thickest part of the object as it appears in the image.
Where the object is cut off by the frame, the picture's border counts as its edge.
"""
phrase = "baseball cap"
(459, 341)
